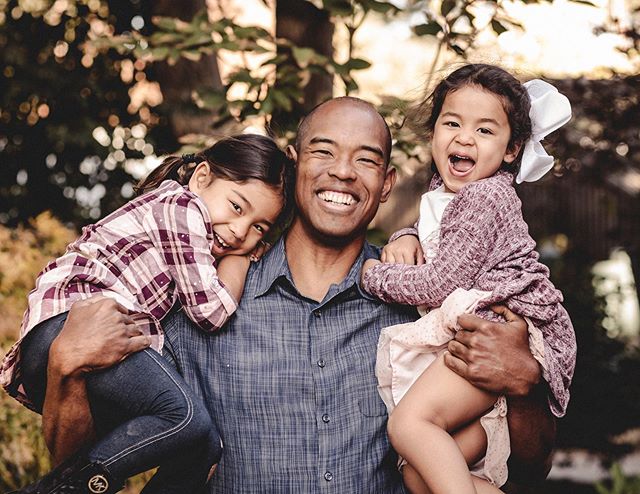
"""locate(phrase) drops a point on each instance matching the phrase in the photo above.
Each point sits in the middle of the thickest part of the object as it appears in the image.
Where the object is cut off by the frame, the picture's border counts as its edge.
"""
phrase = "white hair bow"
(550, 110)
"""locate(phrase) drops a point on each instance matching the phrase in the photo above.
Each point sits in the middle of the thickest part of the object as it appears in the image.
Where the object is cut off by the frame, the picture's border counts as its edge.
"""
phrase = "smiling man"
(291, 381)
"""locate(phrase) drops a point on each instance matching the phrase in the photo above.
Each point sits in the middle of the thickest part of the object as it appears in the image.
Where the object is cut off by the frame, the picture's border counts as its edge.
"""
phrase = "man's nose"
(343, 169)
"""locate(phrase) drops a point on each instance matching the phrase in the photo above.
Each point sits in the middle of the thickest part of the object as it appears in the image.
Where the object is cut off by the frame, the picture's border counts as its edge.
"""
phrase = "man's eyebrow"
(372, 149)
(325, 140)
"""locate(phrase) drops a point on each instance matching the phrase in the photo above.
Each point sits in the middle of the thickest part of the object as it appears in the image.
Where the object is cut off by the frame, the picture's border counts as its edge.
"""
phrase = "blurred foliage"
(619, 483)
(24, 251)
(82, 116)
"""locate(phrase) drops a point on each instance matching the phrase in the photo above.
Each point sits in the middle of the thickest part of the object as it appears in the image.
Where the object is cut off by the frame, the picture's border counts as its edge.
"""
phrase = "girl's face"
(470, 137)
(241, 213)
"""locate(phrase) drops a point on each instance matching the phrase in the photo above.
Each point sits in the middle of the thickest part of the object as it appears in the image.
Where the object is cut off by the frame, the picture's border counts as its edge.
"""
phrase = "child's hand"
(260, 250)
(404, 250)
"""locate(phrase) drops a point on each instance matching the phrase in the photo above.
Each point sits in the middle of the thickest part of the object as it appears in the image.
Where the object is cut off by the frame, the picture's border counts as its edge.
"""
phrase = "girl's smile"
(470, 137)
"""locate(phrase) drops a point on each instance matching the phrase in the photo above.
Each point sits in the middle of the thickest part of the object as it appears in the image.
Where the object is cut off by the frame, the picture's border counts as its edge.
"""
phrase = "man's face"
(342, 176)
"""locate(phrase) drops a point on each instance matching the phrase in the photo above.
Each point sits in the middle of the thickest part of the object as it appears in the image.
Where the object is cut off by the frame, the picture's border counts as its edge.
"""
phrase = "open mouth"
(334, 197)
(461, 163)
(220, 241)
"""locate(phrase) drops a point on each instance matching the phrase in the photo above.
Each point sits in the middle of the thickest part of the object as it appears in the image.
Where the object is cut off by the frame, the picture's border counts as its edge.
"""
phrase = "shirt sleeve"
(462, 253)
(178, 229)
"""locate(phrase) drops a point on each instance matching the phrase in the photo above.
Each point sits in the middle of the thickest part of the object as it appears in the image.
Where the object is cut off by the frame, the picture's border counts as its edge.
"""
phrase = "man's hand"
(404, 250)
(97, 334)
(494, 356)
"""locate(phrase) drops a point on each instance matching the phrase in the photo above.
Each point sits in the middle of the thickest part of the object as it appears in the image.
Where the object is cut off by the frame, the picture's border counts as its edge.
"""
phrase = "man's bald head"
(305, 123)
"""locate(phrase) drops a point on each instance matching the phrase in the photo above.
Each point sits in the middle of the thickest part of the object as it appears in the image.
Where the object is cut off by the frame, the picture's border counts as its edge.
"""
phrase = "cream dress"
(406, 350)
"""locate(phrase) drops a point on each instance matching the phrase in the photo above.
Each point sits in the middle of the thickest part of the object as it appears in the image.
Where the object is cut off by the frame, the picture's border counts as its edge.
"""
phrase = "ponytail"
(178, 168)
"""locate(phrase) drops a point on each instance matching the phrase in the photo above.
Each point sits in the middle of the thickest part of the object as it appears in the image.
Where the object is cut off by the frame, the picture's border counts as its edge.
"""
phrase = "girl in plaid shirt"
(188, 238)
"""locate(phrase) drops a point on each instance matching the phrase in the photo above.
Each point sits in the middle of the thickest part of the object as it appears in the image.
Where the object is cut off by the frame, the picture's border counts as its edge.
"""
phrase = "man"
(291, 381)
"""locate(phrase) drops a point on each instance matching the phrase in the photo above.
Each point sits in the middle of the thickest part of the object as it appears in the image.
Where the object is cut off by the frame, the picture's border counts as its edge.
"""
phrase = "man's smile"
(337, 197)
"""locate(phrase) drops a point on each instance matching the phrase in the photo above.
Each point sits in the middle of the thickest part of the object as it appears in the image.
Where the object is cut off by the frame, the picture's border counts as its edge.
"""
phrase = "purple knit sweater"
(485, 244)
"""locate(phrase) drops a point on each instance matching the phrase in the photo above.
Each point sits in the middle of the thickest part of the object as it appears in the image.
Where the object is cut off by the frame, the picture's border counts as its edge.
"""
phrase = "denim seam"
(162, 435)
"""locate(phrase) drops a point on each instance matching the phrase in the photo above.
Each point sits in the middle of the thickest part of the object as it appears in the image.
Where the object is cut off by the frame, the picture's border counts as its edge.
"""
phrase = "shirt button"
(321, 363)
(317, 313)
(325, 418)
(328, 476)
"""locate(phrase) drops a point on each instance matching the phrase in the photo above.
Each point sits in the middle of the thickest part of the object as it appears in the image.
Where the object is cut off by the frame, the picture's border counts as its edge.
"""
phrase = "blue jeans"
(145, 416)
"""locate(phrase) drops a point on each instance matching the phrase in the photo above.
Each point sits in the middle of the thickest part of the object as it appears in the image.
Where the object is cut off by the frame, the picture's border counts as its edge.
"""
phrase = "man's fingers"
(138, 343)
(504, 311)
(419, 258)
(456, 365)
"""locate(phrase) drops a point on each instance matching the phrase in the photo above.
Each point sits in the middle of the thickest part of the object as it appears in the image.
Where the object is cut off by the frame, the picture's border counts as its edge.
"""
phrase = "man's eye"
(484, 130)
(324, 152)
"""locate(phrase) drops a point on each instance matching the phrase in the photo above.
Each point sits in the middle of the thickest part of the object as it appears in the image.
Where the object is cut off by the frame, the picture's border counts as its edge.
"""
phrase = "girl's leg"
(144, 412)
(472, 441)
(146, 416)
(438, 402)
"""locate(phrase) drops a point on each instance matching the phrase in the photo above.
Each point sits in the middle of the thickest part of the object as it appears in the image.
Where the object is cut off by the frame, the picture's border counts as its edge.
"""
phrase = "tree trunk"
(178, 81)
(306, 26)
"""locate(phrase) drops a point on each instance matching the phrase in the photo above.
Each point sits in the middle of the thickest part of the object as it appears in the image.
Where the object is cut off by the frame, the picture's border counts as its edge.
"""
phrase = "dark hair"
(513, 95)
(237, 158)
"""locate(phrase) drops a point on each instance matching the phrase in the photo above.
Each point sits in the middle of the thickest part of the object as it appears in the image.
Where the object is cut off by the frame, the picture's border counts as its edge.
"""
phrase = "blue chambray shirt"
(290, 383)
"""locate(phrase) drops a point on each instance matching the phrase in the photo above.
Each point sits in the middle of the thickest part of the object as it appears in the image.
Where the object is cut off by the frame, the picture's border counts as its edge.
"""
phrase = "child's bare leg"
(472, 441)
(484, 487)
(414, 483)
(439, 401)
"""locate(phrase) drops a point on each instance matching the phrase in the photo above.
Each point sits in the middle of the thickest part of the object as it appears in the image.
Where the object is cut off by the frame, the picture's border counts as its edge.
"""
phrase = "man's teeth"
(221, 242)
(337, 197)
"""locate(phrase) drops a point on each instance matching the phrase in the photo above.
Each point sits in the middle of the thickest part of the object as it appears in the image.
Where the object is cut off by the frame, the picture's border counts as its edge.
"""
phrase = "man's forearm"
(66, 418)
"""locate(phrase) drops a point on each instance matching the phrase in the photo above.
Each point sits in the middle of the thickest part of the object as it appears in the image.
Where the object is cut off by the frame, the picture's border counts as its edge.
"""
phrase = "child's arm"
(460, 257)
(176, 226)
(232, 272)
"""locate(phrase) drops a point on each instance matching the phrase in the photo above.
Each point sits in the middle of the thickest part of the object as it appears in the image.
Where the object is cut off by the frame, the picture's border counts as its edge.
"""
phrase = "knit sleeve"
(404, 231)
(560, 359)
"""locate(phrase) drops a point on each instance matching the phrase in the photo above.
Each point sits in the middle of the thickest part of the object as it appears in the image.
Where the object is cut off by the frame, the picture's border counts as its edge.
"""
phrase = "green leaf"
(430, 29)
(303, 56)
(447, 6)
(281, 99)
(165, 23)
(357, 64)
(498, 27)
(377, 6)
(193, 55)
(338, 7)
(160, 53)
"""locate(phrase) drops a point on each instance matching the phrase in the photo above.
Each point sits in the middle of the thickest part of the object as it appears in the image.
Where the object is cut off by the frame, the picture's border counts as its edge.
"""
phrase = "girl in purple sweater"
(473, 250)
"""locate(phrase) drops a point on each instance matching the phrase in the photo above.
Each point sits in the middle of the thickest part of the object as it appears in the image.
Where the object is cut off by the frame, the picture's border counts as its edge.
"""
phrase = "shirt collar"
(274, 265)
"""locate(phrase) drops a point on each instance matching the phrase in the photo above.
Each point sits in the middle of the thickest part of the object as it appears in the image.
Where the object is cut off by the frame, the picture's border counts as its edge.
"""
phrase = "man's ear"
(389, 182)
(291, 153)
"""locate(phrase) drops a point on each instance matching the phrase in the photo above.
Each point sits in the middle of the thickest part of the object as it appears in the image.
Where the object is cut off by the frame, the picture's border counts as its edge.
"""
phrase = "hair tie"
(189, 158)
(550, 110)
